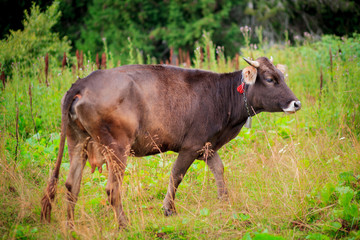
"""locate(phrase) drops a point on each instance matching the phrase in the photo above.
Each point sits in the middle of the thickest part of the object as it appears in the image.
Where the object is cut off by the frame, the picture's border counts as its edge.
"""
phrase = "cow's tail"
(50, 191)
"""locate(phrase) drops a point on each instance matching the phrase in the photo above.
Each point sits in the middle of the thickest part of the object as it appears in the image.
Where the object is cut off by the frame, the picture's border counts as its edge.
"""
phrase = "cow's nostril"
(297, 105)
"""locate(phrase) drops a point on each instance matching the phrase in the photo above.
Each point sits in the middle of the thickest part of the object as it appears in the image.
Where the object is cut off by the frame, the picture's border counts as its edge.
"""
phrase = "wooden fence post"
(46, 69)
(103, 61)
(63, 63)
(2, 77)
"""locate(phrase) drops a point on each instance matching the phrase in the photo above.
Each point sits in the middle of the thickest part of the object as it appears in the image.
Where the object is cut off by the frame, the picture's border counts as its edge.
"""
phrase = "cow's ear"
(282, 68)
(249, 75)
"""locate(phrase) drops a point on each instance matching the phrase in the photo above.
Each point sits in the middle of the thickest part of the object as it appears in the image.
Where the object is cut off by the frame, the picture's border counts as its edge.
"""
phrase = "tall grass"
(290, 176)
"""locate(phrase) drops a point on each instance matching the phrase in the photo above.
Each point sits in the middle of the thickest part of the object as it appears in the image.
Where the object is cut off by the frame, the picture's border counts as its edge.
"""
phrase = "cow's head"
(268, 90)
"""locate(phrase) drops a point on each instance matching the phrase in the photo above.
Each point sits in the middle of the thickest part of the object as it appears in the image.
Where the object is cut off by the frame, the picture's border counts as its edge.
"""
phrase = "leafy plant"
(345, 207)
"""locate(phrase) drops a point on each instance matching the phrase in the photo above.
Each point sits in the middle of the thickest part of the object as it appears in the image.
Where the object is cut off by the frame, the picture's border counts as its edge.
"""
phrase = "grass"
(289, 177)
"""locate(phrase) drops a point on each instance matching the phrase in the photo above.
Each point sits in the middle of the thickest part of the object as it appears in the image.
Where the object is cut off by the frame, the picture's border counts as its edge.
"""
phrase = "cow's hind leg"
(77, 153)
(181, 165)
(116, 156)
(217, 168)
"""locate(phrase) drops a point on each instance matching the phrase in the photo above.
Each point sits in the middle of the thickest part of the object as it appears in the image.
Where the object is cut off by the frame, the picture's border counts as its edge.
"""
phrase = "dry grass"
(267, 182)
(275, 172)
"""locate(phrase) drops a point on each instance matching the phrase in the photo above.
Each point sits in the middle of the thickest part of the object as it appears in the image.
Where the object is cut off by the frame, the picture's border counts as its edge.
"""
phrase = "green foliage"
(155, 27)
(326, 193)
(344, 208)
(289, 177)
(37, 150)
(204, 212)
(35, 40)
(317, 236)
(25, 232)
(264, 235)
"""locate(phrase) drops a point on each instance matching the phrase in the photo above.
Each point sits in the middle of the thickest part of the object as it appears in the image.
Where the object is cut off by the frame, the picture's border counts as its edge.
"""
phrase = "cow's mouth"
(289, 112)
(292, 107)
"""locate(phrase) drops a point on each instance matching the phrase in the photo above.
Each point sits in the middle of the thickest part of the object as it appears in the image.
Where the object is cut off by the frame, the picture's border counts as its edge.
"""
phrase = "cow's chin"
(289, 112)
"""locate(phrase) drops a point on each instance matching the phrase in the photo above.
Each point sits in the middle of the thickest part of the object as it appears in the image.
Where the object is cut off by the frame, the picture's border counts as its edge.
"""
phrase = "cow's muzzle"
(293, 107)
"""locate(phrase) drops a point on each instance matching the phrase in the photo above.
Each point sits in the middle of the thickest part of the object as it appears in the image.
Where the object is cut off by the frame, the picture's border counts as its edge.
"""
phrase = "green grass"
(289, 177)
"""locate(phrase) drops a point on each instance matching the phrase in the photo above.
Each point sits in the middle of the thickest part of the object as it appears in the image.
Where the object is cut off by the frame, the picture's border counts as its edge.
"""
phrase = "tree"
(154, 26)
(35, 40)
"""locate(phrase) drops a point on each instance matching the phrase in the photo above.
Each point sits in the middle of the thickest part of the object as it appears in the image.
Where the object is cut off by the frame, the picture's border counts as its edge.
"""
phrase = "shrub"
(35, 40)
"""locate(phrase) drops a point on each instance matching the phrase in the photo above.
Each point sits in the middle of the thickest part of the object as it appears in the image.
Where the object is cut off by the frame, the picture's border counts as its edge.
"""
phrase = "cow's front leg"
(181, 165)
(217, 168)
(116, 160)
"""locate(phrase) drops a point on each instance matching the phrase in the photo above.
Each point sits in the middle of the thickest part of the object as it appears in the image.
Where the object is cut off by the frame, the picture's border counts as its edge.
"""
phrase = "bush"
(35, 40)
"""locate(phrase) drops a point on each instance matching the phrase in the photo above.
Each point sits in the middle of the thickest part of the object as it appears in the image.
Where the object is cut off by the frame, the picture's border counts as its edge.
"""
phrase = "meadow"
(289, 176)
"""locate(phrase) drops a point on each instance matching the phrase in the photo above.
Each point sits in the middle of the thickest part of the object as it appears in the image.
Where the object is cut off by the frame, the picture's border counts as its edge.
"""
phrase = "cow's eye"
(269, 80)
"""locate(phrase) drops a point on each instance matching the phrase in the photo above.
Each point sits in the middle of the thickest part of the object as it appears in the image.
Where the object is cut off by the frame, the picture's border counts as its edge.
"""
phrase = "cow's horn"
(252, 63)
(271, 59)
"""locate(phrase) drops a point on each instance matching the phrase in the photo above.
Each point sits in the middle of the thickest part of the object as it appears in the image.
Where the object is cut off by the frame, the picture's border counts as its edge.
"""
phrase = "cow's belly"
(150, 144)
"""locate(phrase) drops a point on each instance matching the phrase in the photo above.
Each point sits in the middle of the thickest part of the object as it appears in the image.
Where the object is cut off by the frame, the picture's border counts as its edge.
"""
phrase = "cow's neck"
(236, 102)
(233, 108)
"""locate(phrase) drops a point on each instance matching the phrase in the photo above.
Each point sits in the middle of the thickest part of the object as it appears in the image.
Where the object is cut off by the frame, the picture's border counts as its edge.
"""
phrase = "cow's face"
(268, 90)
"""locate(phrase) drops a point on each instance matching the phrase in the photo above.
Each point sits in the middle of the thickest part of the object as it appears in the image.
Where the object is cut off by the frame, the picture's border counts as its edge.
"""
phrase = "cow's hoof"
(169, 212)
(70, 224)
(124, 227)
(123, 222)
(224, 197)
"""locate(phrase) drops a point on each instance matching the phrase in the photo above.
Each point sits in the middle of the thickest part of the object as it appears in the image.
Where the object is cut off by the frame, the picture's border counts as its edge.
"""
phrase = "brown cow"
(147, 109)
